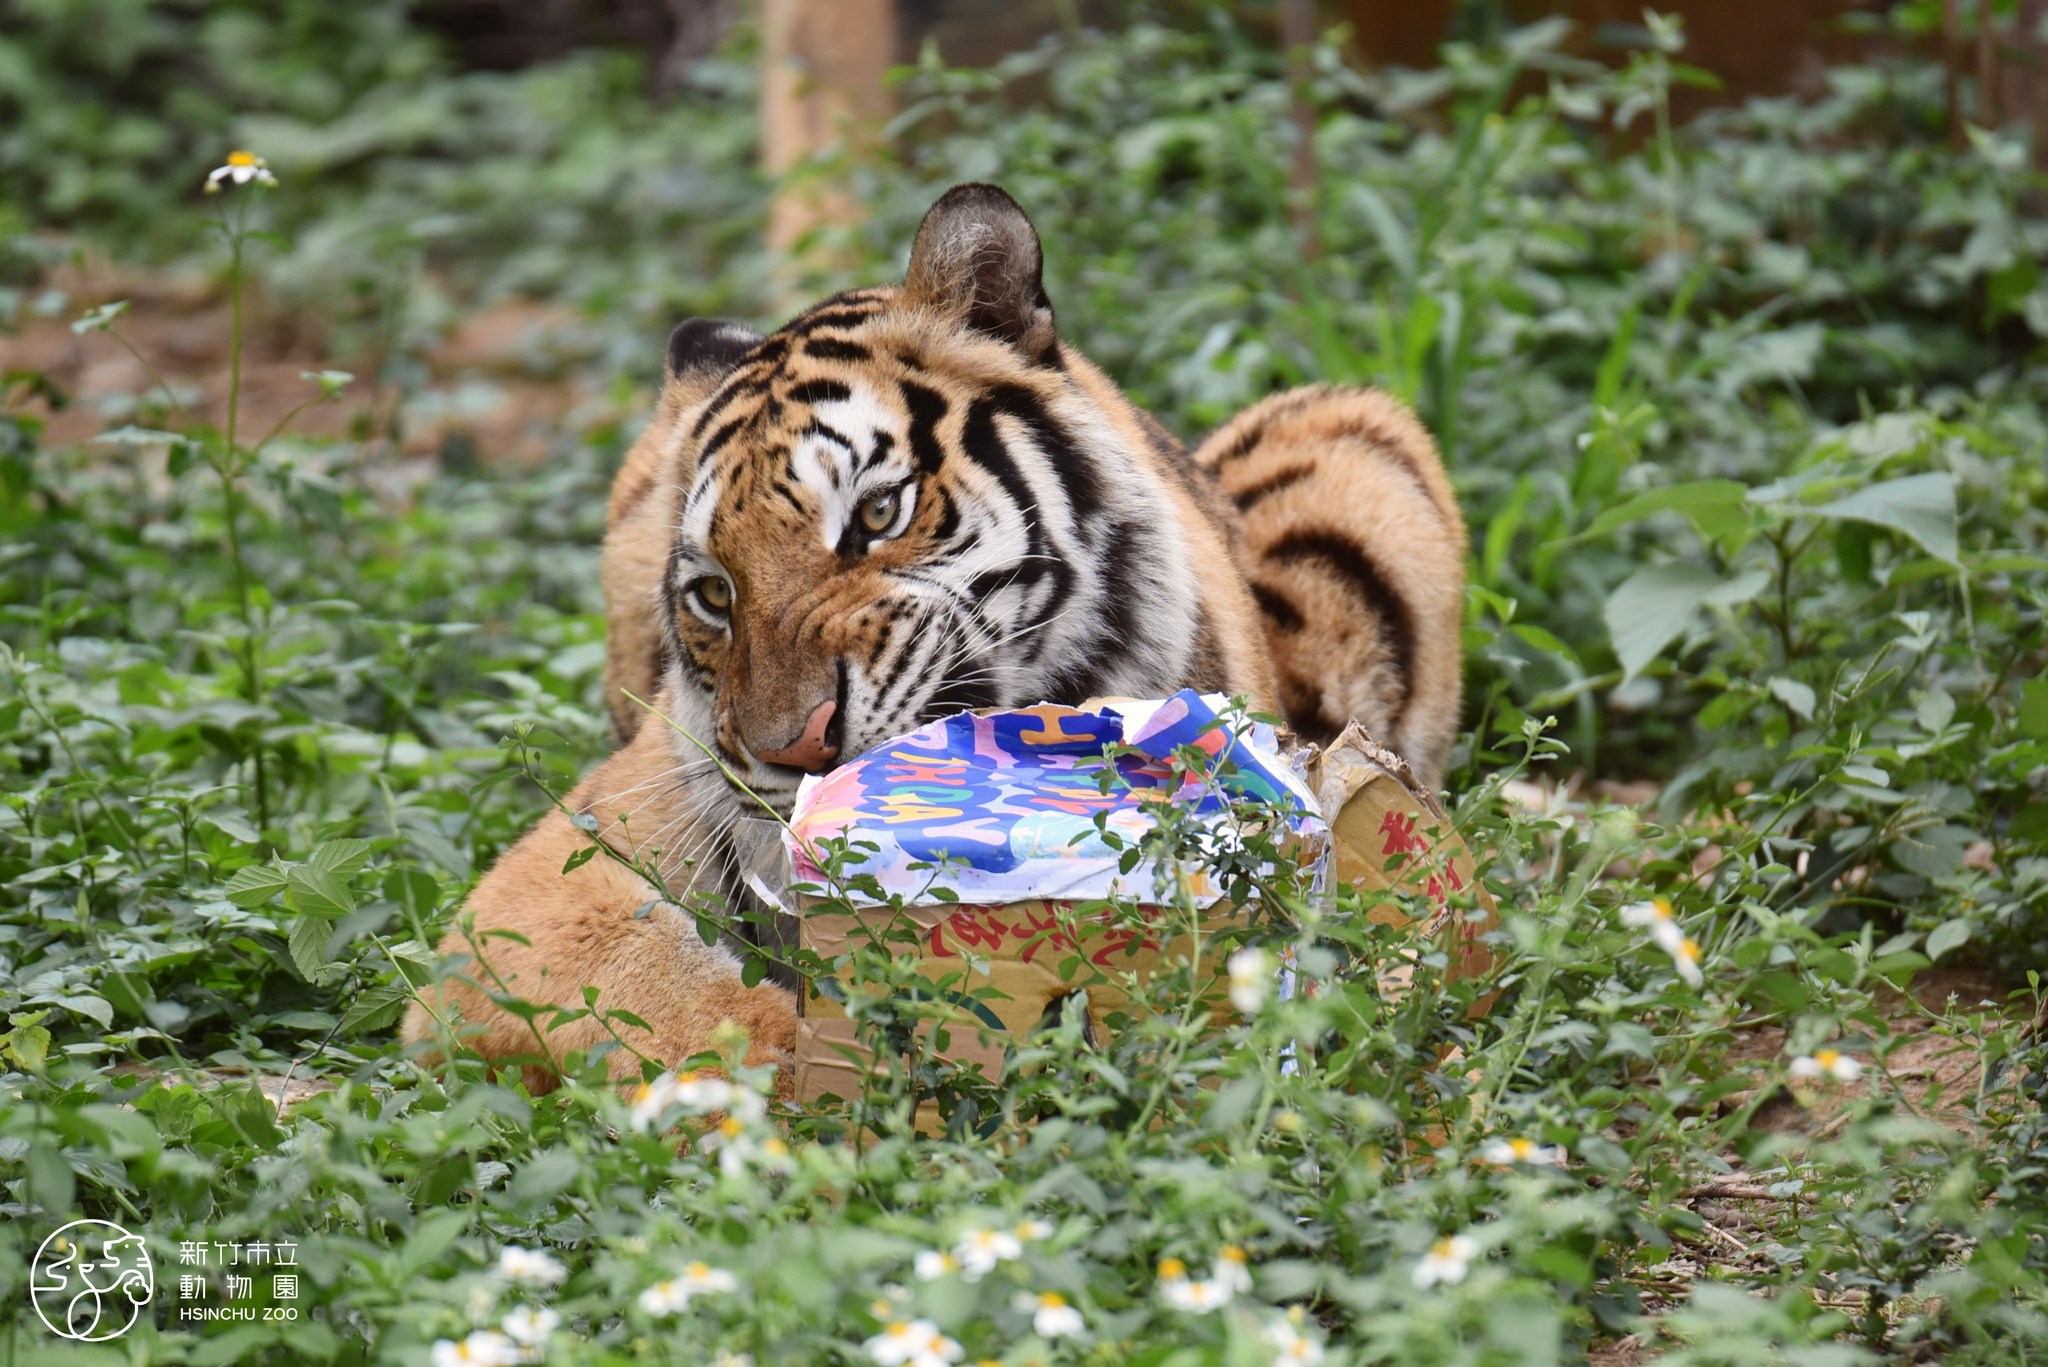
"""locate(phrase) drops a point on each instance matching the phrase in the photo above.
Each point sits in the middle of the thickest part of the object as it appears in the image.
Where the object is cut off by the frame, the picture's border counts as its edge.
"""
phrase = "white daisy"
(1051, 1316)
(933, 1264)
(1656, 911)
(1197, 1297)
(1507, 1152)
(1292, 1348)
(1685, 957)
(1447, 1261)
(1232, 1270)
(650, 1101)
(1251, 979)
(530, 1267)
(912, 1343)
(698, 1279)
(1033, 1230)
(531, 1327)
(980, 1251)
(484, 1348)
(1832, 1064)
(241, 168)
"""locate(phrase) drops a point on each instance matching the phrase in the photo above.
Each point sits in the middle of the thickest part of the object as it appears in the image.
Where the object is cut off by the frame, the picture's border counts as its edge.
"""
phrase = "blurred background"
(1600, 249)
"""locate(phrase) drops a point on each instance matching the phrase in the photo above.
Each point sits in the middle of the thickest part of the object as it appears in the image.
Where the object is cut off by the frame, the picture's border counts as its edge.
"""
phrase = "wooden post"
(1298, 36)
(824, 96)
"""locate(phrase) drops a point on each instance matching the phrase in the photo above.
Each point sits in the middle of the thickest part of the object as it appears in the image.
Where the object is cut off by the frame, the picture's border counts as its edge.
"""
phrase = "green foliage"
(1745, 417)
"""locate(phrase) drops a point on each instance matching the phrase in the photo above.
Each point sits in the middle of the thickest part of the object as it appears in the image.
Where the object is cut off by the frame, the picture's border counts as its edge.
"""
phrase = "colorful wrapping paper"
(1002, 808)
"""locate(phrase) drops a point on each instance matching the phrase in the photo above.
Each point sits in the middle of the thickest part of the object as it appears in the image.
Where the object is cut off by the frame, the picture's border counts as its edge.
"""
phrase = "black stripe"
(1349, 561)
(1278, 608)
(819, 391)
(1302, 701)
(718, 439)
(1239, 445)
(833, 349)
(829, 318)
(1076, 471)
(926, 407)
(1270, 485)
(1116, 633)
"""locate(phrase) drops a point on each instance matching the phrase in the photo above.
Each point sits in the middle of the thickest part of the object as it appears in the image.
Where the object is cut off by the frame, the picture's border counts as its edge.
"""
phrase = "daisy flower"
(1051, 1316)
(241, 168)
(1685, 957)
(933, 1264)
(698, 1279)
(1831, 1064)
(1033, 1230)
(530, 1327)
(1446, 1262)
(1291, 1347)
(484, 1348)
(980, 1251)
(733, 1360)
(530, 1267)
(1655, 912)
(912, 1343)
(1508, 1152)
(650, 1101)
(1251, 979)
(1232, 1270)
(1197, 1297)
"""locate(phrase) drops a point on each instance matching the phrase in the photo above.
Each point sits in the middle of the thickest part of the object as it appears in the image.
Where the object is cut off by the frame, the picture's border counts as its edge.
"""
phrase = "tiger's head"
(910, 500)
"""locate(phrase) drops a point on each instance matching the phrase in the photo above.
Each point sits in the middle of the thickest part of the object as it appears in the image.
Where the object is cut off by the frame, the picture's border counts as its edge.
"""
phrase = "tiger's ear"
(705, 348)
(977, 259)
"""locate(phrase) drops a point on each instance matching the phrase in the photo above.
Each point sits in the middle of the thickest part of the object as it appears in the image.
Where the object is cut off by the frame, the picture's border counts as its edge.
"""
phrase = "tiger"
(911, 500)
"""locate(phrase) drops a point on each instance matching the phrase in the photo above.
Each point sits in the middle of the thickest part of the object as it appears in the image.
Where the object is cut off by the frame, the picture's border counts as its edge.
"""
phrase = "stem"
(229, 469)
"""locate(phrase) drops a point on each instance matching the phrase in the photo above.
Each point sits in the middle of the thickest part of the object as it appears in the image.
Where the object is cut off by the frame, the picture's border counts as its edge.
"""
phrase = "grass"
(1745, 416)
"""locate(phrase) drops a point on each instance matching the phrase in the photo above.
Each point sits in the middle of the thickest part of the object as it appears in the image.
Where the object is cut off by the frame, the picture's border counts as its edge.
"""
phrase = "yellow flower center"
(1663, 908)
(1172, 1269)
(249, 159)
(1444, 1248)
(1688, 950)
(731, 1127)
(1052, 1300)
(1827, 1058)
(774, 1148)
(1521, 1148)
(1231, 1253)
(697, 1271)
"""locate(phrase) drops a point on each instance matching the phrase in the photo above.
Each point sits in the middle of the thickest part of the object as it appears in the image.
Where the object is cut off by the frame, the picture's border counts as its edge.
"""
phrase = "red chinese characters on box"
(1033, 926)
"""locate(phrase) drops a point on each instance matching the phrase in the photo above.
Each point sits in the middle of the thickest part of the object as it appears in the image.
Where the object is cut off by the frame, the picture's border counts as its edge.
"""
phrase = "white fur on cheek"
(838, 473)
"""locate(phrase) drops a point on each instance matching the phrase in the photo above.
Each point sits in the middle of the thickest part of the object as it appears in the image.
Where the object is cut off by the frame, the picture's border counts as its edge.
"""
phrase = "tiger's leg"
(583, 928)
(1352, 542)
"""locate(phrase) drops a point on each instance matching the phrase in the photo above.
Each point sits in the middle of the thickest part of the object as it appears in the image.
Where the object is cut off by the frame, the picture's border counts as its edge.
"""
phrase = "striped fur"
(914, 499)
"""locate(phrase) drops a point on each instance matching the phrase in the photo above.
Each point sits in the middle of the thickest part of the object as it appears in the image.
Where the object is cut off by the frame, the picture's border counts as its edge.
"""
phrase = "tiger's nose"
(815, 747)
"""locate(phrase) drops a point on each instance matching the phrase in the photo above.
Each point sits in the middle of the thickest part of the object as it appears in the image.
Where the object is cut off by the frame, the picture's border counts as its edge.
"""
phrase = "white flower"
(933, 1264)
(1447, 1261)
(739, 1151)
(704, 1094)
(1828, 1063)
(1251, 979)
(530, 1267)
(241, 168)
(1292, 1348)
(1033, 1230)
(912, 1343)
(1685, 957)
(698, 1279)
(1232, 1270)
(1051, 1316)
(1655, 912)
(1197, 1297)
(651, 1101)
(1507, 1152)
(979, 1252)
(484, 1348)
(531, 1327)
(733, 1360)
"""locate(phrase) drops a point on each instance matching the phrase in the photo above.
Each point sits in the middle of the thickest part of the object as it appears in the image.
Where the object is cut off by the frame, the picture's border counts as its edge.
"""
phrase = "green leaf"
(1716, 506)
(1653, 607)
(1794, 695)
(2034, 708)
(342, 858)
(308, 945)
(1946, 936)
(578, 858)
(319, 892)
(256, 885)
(95, 1007)
(374, 1009)
(1922, 507)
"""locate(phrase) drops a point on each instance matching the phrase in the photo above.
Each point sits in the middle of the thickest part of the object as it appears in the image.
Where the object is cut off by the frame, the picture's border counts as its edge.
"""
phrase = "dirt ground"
(502, 385)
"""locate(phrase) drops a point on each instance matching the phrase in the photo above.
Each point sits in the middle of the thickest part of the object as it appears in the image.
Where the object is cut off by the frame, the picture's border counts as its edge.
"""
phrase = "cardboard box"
(1004, 806)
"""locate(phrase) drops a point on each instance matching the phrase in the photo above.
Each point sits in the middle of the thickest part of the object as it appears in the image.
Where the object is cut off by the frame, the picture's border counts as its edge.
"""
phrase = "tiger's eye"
(715, 591)
(878, 514)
